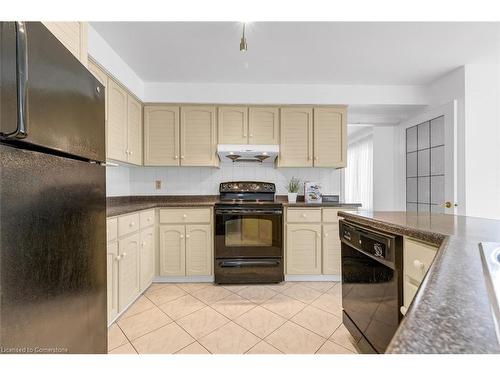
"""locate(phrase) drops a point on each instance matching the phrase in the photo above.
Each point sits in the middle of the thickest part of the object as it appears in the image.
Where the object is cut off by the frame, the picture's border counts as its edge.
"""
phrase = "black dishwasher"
(371, 285)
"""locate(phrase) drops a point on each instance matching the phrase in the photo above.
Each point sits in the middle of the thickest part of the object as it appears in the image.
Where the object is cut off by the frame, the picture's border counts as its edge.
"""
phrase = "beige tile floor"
(202, 318)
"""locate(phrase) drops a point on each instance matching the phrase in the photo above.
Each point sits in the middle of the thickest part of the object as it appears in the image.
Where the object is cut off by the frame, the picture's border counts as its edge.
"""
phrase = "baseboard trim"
(184, 279)
(312, 278)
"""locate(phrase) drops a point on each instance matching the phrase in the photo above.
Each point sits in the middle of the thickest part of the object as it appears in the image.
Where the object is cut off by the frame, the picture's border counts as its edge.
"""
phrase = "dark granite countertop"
(122, 205)
(451, 312)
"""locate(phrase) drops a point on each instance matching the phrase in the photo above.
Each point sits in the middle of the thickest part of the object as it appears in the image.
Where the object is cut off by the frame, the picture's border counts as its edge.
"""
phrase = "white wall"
(384, 154)
(283, 93)
(205, 181)
(102, 52)
(482, 140)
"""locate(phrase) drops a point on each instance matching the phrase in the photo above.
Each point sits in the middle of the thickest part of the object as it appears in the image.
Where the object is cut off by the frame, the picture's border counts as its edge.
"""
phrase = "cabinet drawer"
(417, 258)
(147, 218)
(128, 224)
(111, 229)
(303, 215)
(182, 215)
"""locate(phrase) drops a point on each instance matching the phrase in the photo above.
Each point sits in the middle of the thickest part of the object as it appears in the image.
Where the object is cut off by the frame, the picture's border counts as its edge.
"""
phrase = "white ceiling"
(299, 52)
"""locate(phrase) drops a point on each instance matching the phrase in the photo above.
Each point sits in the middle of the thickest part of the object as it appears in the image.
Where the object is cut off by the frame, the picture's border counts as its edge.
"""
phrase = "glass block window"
(425, 166)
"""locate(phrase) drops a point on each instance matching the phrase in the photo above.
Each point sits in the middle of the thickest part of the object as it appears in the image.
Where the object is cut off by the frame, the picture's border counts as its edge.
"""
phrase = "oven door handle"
(249, 263)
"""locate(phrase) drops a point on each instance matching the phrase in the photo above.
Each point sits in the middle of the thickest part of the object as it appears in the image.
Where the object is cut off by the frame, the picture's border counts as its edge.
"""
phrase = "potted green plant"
(293, 189)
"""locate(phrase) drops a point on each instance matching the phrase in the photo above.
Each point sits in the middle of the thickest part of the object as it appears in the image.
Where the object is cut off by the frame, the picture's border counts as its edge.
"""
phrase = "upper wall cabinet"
(124, 125)
(330, 138)
(161, 135)
(263, 125)
(198, 136)
(116, 142)
(233, 125)
(102, 77)
(73, 35)
(296, 137)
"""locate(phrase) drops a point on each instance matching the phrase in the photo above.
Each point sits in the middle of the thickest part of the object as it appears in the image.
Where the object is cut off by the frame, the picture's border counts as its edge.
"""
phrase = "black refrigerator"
(52, 197)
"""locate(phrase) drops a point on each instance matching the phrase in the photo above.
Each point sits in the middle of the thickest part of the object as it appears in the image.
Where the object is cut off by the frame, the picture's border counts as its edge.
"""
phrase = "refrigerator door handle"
(21, 81)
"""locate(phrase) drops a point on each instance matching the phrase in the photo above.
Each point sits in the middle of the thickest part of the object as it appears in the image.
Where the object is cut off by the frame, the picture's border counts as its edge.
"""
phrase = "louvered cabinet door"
(233, 125)
(73, 35)
(161, 136)
(199, 250)
(102, 77)
(303, 249)
(116, 134)
(128, 270)
(296, 137)
(263, 125)
(198, 136)
(331, 249)
(134, 131)
(330, 137)
(172, 250)
(147, 256)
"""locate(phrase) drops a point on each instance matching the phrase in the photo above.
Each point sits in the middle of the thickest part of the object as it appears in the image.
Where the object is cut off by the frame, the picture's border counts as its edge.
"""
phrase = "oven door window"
(248, 231)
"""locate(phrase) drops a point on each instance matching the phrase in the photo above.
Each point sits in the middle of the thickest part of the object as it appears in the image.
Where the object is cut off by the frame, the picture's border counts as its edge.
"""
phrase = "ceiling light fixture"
(243, 41)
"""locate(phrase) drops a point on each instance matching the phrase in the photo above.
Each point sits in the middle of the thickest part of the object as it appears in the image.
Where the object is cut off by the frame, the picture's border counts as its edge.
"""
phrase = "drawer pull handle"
(418, 265)
(184, 216)
(304, 215)
(131, 224)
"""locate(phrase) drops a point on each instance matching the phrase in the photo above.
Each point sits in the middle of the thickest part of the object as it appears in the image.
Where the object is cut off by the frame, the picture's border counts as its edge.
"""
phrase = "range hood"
(259, 154)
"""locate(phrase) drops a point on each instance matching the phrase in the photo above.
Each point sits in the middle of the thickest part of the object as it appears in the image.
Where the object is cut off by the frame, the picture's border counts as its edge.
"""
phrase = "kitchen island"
(451, 312)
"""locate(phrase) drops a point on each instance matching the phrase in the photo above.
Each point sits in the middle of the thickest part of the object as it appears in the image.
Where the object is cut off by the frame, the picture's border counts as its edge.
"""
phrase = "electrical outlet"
(158, 184)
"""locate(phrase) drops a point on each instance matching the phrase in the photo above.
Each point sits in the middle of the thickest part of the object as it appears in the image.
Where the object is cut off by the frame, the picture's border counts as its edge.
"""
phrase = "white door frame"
(449, 111)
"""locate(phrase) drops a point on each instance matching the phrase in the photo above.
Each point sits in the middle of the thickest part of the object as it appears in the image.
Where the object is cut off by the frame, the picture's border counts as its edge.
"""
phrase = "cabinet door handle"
(418, 265)
(123, 255)
(143, 244)
(304, 216)
(131, 224)
(315, 158)
(187, 235)
(182, 156)
(184, 216)
(251, 135)
(326, 234)
(176, 157)
(118, 257)
(182, 236)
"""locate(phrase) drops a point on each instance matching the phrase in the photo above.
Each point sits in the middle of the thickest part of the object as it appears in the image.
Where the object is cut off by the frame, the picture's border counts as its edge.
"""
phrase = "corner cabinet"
(198, 136)
(73, 35)
(296, 137)
(161, 136)
(130, 258)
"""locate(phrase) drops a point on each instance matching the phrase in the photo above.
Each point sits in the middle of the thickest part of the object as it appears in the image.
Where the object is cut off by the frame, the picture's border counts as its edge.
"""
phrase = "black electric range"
(248, 234)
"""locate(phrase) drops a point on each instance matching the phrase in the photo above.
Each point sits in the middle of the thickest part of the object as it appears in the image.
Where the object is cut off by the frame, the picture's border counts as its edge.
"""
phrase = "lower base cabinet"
(112, 265)
(303, 249)
(331, 249)
(186, 242)
(147, 257)
(128, 270)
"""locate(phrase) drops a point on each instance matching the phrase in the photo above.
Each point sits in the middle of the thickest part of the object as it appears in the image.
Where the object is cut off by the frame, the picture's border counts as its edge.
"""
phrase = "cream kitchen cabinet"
(296, 137)
(198, 136)
(130, 258)
(330, 137)
(186, 242)
(128, 270)
(312, 243)
(233, 125)
(73, 35)
(161, 135)
(417, 259)
(147, 257)
(172, 250)
(102, 77)
(124, 125)
(303, 254)
(112, 279)
(116, 141)
(263, 125)
(199, 250)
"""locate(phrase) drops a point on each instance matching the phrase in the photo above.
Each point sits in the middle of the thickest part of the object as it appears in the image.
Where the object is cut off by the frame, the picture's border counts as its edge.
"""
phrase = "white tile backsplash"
(129, 180)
